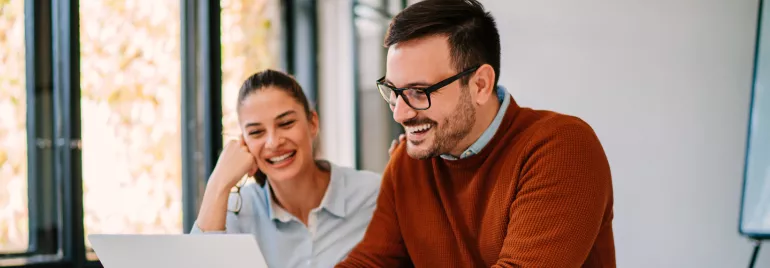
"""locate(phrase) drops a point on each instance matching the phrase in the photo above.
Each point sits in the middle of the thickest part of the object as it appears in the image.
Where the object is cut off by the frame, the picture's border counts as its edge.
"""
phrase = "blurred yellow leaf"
(13, 153)
(3, 157)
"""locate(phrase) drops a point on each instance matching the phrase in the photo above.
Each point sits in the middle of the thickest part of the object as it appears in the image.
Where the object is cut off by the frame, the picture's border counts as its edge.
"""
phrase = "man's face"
(421, 63)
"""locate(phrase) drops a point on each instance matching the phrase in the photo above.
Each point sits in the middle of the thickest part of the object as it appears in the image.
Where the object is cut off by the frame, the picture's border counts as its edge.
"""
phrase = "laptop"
(182, 250)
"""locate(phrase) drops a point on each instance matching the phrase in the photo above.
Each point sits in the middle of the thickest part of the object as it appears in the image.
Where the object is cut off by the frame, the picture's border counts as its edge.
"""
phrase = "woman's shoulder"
(359, 178)
(362, 185)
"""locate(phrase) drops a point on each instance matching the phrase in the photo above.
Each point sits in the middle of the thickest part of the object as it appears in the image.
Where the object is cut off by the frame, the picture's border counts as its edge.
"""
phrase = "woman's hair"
(279, 81)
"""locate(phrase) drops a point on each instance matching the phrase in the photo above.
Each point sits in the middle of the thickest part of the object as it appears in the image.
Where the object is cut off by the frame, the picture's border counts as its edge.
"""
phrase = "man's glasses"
(417, 98)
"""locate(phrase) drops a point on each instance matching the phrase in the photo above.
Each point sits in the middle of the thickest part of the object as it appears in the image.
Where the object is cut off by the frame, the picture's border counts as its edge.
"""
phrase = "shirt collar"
(481, 142)
(333, 200)
(275, 211)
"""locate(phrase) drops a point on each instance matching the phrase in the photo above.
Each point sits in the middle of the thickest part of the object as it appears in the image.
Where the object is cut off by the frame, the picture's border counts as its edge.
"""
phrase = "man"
(487, 183)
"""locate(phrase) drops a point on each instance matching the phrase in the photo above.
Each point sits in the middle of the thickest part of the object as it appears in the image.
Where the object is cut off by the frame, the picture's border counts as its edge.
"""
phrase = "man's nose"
(402, 111)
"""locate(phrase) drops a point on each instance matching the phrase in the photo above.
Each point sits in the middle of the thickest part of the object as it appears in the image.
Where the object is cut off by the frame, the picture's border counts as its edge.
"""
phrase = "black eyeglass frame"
(400, 91)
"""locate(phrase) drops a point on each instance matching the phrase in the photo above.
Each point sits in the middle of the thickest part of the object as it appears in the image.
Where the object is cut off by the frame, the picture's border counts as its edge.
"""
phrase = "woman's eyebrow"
(253, 124)
(284, 114)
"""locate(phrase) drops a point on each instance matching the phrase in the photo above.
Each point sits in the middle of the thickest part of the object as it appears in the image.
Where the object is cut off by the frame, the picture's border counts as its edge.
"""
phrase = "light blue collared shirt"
(502, 95)
(333, 229)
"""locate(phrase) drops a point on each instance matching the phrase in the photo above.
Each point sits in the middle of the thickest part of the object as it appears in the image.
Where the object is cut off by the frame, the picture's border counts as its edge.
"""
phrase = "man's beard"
(450, 132)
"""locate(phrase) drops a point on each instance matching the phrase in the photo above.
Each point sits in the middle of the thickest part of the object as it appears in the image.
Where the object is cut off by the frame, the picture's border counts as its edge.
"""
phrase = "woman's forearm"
(213, 213)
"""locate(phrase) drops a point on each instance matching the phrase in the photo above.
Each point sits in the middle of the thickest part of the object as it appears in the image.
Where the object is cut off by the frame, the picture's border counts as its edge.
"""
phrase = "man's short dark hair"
(472, 33)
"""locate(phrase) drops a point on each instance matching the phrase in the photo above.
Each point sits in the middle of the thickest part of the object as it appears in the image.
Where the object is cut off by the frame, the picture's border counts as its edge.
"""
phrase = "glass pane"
(131, 86)
(756, 195)
(14, 213)
(250, 43)
(375, 122)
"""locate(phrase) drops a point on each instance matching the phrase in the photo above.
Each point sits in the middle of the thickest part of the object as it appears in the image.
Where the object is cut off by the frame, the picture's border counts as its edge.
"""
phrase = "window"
(131, 124)
(111, 112)
(375, 127)
(250, 43)
(14, 212)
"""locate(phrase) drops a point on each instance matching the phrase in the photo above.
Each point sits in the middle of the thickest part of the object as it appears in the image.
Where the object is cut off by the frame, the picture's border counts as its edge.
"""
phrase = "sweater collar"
(505, 127)
(483, 140)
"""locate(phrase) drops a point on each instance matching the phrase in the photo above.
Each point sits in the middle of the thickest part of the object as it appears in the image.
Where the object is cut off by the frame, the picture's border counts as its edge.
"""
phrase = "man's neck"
(299, 196)
(486, 114)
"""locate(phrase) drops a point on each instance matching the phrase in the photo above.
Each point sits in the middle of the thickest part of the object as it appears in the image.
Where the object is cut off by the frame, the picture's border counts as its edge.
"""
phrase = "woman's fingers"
(394, 143)
(243, 145)
(245, 148)
(254, 169)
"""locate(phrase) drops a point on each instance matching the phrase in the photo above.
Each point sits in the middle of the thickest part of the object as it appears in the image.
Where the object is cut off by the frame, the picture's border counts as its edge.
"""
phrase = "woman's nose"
(273, 141)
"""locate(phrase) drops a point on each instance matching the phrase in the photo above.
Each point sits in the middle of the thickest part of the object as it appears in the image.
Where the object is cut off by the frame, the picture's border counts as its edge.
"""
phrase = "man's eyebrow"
(412, 84)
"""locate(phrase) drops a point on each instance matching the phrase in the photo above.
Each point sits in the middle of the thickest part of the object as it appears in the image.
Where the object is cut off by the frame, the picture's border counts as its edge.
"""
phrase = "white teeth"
(280, 158)
(414, 129)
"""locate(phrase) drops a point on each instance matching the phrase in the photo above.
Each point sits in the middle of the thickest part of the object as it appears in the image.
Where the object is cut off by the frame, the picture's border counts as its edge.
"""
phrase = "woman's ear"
(314, 124)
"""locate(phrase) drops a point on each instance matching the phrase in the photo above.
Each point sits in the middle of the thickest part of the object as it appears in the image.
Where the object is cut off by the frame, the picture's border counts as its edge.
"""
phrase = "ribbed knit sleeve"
(563, 196)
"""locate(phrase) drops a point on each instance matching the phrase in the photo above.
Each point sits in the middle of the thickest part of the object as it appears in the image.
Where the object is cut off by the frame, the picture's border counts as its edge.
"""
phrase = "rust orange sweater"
(538, 195)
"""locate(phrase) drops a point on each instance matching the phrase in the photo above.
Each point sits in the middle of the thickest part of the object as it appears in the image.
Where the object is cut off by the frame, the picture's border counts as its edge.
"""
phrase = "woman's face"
(278, 133)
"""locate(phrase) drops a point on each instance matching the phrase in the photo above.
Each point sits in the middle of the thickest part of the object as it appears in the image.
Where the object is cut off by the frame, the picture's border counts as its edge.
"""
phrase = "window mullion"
(202, 101)
(211, 81)
(67, 160)
(43, 215)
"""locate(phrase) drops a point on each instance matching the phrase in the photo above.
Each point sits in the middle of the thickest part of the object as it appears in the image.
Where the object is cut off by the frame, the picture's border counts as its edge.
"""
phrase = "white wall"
(665, 84)
(335, 94)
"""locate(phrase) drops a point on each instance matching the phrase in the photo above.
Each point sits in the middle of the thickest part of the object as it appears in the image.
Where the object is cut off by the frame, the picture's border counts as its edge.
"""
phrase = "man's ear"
(484, 84)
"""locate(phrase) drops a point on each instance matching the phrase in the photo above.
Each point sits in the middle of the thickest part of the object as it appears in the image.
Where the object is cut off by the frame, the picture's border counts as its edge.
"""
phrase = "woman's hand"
(234, 162)
(401, 138)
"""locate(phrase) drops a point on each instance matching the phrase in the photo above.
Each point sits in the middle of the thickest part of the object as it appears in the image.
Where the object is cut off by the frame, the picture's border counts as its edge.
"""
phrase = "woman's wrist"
(202, 230)
(217, 184)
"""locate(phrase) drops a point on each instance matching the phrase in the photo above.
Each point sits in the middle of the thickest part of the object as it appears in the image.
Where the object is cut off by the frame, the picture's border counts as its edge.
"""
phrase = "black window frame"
(52, 71)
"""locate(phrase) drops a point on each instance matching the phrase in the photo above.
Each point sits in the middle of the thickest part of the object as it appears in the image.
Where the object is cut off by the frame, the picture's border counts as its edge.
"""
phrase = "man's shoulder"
(546, 122)
(564, 131)
(531, 129)
(554, 124)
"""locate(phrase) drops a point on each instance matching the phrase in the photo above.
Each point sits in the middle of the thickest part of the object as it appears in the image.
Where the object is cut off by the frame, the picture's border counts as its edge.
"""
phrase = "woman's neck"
(299, 196)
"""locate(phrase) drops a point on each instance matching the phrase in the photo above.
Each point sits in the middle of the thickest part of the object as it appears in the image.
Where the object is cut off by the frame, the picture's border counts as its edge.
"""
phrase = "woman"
(303, 212)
